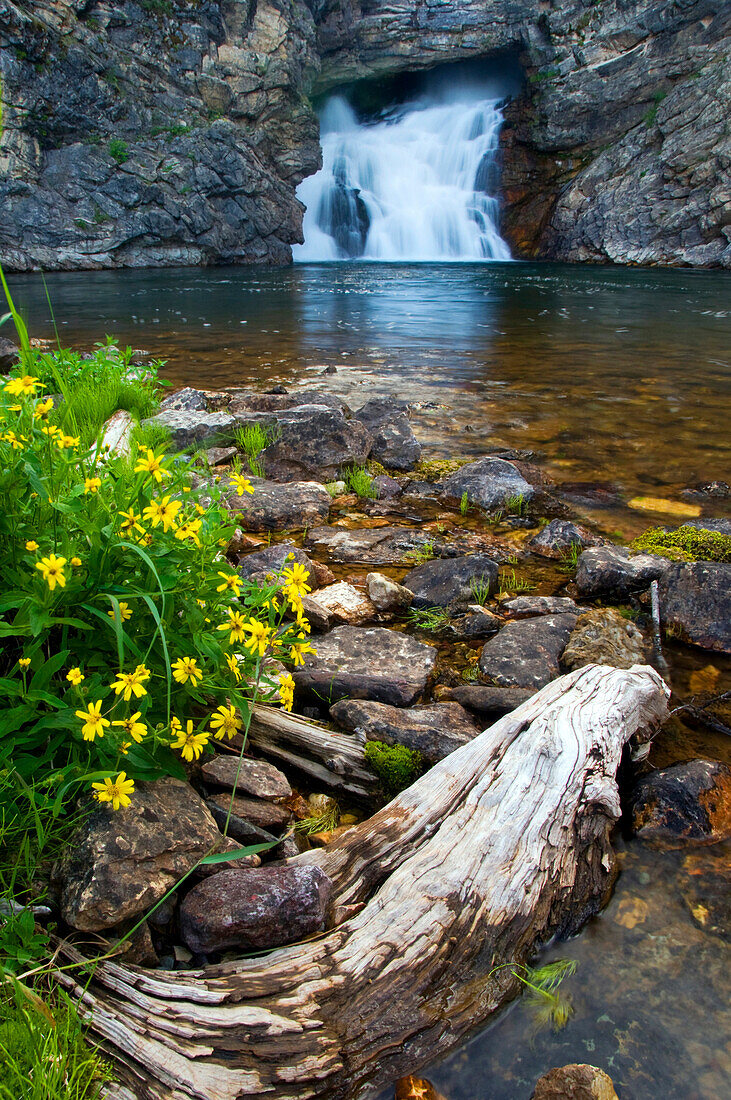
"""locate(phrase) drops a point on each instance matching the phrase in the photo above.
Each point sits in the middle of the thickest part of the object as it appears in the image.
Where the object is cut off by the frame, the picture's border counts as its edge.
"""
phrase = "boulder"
(265, 563)
(527, 607)
(192, 428)
(489, 701)
(367, 663)
(695, 599)
(477, 622)
(378, 410)
(385, 594)
(314, 443)
(116, 434)
(526, 652)
(434, 730)
(9, 353)
(255, 777)
(559, 536)
(395, 445)
(489, 483)
(120, 862)
(387, 487)
(613, 571)
(343, 603)
(274, 507)
(686, 804)
(449, 581)
(575, 1082)
(604, 637)
(185, 400)
(282, 402)
(255, 908)
(720, 524)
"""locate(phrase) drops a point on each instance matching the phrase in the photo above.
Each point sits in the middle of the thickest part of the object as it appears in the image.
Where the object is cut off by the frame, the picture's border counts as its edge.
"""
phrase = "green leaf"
(239, 853)
(42, 677)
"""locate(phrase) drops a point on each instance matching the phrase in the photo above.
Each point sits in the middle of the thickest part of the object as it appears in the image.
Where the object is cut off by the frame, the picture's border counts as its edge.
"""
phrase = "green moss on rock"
(434, 469)
(685, 544)
(396, 766)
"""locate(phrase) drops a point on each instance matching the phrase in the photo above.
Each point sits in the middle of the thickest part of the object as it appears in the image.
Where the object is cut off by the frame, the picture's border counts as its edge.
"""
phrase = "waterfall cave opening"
(411, 167)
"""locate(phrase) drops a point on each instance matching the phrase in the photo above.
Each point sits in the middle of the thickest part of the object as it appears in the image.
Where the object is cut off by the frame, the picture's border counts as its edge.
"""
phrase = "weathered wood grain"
(499, 846)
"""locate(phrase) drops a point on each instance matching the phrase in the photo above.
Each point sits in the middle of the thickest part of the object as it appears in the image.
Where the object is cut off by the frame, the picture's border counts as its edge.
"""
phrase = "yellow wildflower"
(163, 511)
(125, 612)
(63, 441)
(116, 792)
(225, 722)
(295, 579)
(152, 464)
(286, 690)
(186, 668)
(233, 664)
(43, 408)
(24, 662)
(130, 523)
(75, 676)
(259, 637)
(231, 582)
(31, 546)
(175, 725)
(128, 684)
(299, 648)
(18, 387)
(241, 484)
(52, 570)
(93, 722)
(76, 562)
(236, 624)
(132, 725)
(190, 744)
(189, 530)
(91, 484)
(200, 509)
(17, 443)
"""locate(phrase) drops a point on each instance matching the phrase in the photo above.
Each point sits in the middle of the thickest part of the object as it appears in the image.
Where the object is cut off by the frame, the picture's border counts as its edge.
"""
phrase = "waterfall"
(417, 185)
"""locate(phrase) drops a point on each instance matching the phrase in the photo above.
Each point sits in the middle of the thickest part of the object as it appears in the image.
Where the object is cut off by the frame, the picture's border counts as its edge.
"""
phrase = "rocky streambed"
(444, 594)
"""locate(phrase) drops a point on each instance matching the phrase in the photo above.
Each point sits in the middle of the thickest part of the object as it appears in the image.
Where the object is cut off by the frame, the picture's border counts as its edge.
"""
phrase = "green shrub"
(252, 439)
(685, 544)
(118, 150)
(360, 481)
(432, 619)
(395, 765)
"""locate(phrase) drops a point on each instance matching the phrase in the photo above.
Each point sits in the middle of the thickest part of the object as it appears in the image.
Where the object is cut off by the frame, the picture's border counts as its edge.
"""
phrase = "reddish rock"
(255, 777)
(687, 804)
(575, 1082)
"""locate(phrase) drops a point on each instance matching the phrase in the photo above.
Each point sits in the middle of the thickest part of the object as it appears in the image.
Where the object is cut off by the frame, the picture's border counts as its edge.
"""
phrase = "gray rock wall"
(147, 132)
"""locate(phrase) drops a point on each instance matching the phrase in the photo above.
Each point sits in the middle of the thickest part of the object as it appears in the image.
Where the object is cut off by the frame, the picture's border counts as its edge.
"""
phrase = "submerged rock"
(274, 507)
(255, 908)
(695, 599)
(121, 862)
(367, 663)
(255, 777)
(613, 571)
(526, 652)
(434, 730)
(449, 581)
(706, 888)
(604, 637)
(557, 539)
(686, 804)
(575, 1082)
(489, 483)
(273, 402)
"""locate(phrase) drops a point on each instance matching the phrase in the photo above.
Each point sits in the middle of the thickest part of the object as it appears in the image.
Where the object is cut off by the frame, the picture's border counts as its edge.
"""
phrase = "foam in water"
(419, 185)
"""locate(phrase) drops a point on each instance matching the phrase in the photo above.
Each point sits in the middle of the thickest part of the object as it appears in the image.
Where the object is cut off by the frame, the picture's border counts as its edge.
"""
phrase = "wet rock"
(9, 353)
(434, 730)
(488, 483)
(527, 607)
(489, 701)
(575, 1082)
(378, 410)
(592, 494)
(190, 428)
(708, 490)
(255, 909)
(377, 546)
(185, 400)
(720, 524)
(274, 507)
(274, 402)
(343, 603)
(385, 594)
(686, 804)
(604, 637)
(121, 862)
(387, 487)
(270, 562)
(706, 888)
(559, 536)
(477, 622)
(395, 445)
(613, 571)
(255, 777)
(526, 652)
(695, 600)
(450, 581)
(256, 811)
(238, 828)
(367, 663)
(416, 1088)
(116, 434)
(314, 443)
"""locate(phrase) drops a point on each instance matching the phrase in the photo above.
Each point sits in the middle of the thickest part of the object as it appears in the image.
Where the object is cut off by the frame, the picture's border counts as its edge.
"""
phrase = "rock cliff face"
(176, 131)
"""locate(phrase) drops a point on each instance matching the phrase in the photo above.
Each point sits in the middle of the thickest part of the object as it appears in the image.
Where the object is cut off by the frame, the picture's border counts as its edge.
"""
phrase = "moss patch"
(434, 469)
(396, 766)
(685, 544)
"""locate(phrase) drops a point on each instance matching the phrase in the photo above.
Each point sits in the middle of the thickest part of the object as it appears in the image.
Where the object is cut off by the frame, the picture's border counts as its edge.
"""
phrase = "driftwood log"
(498, 847)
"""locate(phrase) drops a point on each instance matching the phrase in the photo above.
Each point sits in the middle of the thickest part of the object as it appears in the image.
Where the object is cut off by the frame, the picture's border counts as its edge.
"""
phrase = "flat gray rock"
(613, 571)
(527, 607)
(604, 637)
(257, 811)
(190, 428)
(490, 701)
(255, 777)
(450, 581)
(275, 507)
(695, 598)
(367, 663)
(526, 652)
(376, 545)
(434, 730)
(489, 483)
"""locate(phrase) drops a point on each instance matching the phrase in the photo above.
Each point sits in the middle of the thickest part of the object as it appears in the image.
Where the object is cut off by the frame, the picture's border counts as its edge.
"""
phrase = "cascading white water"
(419, 185)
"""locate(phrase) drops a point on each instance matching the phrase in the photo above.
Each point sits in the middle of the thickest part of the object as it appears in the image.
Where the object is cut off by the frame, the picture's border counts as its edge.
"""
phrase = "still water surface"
(615, 375)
